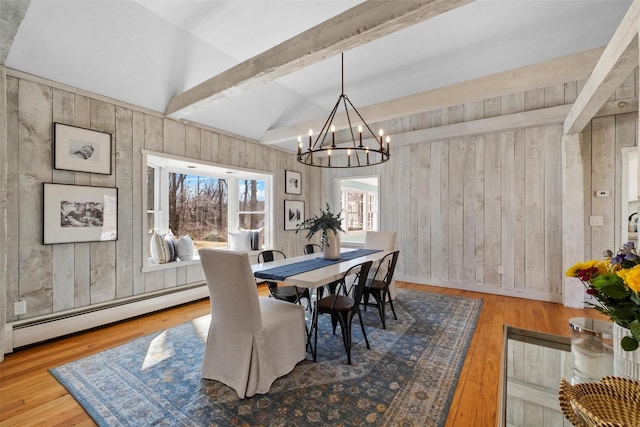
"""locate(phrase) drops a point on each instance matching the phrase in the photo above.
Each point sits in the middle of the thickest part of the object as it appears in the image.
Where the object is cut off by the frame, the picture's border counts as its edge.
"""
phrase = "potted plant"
(330, 225)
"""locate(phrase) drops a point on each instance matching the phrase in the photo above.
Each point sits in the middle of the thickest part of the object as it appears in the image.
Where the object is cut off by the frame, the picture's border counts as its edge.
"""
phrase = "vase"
(331, 248)
(625, 363)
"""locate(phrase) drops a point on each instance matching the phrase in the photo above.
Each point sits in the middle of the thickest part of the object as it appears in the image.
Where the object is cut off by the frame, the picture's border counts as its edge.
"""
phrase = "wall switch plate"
(602, 193)
(500, 269)
(596, 220)
(19, 307)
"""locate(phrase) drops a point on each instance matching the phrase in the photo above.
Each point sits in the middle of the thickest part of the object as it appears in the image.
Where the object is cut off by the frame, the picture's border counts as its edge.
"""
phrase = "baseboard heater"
(31, 331)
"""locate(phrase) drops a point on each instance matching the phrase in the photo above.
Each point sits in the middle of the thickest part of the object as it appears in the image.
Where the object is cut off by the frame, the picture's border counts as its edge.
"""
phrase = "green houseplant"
(325, 222)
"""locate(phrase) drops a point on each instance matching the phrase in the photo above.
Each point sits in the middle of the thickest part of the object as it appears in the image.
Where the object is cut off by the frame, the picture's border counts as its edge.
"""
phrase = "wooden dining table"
(316, 278)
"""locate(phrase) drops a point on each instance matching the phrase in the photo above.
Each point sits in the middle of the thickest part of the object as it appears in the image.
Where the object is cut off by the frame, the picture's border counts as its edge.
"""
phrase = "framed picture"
(78, 213)
(82, 150)
(292, 182)
(293, 214)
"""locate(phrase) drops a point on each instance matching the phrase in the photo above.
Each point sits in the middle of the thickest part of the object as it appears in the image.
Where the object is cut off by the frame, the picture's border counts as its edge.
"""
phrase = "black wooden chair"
(285, 293)
(312, 248)
(342, 308)
(378, 287)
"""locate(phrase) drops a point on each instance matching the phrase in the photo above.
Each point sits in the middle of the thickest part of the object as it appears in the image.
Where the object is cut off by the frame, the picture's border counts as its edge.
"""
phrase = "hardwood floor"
(30, 396)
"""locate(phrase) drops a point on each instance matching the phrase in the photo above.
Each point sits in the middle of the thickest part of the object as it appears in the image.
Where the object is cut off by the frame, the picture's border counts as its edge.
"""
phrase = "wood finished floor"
(30, 396)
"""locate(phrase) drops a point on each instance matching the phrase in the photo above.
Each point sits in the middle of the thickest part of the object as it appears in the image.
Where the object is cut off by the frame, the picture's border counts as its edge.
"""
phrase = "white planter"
(332, 249)
(625, 363)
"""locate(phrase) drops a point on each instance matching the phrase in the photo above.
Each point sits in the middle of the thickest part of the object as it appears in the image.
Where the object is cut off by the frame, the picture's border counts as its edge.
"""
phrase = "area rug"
(407, 378)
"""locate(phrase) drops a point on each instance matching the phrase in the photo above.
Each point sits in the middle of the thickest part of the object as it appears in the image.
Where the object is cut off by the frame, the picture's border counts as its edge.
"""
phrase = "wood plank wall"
(462, 207)
(55, 278)
(484, 212)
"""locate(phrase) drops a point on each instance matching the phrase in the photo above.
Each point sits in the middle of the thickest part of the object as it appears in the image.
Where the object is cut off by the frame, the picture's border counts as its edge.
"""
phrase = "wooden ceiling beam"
(11, 15)
(619, 59)
(560, 70)
(361, 24)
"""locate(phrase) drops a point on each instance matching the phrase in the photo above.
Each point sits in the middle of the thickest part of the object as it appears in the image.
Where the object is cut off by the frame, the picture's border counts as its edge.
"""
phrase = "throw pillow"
(240, 241)
(185, 248)
(159, 247)
(171, 245)
(256, 238)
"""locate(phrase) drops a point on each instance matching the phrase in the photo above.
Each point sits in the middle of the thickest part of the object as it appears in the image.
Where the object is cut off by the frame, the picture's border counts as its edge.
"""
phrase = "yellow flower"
(574, 270)
(631, 277)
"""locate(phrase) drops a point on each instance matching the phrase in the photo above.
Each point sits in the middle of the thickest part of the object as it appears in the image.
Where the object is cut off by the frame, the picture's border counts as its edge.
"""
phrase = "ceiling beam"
(618, 60)
(560, 70)
(11, 15)
(361, 24)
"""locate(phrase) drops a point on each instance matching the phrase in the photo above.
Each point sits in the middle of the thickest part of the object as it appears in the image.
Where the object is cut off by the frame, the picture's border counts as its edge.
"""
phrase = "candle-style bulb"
(380, 132)
(360, 128)
(310, 132)
(333, 136)
(329, 157)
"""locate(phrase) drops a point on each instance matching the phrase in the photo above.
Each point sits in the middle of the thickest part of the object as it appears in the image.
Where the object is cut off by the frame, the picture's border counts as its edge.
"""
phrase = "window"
(205, 201)
(359, 202)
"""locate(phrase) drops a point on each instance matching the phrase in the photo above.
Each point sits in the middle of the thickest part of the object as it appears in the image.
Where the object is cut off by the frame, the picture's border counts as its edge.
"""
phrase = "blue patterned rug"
(407, 378)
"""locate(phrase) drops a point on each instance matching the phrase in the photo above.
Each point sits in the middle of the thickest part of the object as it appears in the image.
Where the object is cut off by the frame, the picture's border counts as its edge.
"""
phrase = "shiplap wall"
(484, 212)
(55, 278)
(462, 207)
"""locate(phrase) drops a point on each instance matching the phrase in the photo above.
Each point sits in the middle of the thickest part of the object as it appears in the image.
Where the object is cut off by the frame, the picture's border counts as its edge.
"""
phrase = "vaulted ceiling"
(148, 53)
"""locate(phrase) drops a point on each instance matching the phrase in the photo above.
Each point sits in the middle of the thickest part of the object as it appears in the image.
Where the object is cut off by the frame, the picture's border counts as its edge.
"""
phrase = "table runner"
(284, 271)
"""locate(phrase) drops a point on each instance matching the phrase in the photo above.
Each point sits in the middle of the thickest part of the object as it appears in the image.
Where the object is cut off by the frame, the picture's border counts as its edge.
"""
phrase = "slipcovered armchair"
(252, 341)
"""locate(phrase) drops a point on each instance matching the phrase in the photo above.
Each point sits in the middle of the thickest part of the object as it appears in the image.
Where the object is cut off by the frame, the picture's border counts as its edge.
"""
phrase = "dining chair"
(342, 309)
(251, 340)
(285, 293)
(378, 286)
(312, 248)
(386, 241)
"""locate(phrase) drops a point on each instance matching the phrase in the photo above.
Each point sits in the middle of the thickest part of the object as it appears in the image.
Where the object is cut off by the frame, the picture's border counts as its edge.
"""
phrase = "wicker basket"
(613, 401)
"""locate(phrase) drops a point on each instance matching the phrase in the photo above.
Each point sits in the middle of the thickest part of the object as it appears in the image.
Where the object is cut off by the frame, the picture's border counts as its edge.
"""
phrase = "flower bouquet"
(615, 283)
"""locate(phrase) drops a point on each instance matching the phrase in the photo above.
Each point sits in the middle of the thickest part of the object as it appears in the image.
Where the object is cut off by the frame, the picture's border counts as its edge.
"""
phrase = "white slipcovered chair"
(252, 341)
(385, 240)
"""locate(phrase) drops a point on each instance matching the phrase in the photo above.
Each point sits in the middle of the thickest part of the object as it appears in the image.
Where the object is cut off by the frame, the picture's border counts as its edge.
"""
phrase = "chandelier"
(325, 153)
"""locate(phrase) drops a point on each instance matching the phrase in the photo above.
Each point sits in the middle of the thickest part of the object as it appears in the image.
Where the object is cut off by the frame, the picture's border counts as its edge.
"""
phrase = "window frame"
(165, 164)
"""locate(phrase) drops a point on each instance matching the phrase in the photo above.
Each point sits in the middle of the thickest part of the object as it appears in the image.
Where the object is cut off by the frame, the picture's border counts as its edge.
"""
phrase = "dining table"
(312, 271)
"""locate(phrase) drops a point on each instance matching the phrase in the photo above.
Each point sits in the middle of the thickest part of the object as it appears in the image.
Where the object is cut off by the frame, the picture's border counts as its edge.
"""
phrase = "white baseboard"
(494, 290)
(21, 333)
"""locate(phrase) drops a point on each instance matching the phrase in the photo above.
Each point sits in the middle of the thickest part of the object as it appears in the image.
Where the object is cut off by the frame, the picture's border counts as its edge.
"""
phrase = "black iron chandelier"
(325, 153)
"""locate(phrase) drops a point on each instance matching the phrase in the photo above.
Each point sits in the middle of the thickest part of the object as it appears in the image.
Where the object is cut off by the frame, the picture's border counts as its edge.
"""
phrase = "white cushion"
(185, 248)
(240, 241)
(256, 238)
(160, 249)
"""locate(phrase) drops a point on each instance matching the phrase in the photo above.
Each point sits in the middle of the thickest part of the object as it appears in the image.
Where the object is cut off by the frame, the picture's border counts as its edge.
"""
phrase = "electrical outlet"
(19, 308)
(596, 220)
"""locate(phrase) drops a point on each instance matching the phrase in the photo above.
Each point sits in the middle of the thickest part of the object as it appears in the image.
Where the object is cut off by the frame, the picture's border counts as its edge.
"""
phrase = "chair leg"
(364, 333)
(345, 326)
(381, 311)
(391, 304)
(314, 323)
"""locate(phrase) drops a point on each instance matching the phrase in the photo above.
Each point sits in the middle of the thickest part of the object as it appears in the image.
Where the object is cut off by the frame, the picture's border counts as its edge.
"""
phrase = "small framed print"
(292, 182)
(78, 213)
(293, 214)
(81, 150)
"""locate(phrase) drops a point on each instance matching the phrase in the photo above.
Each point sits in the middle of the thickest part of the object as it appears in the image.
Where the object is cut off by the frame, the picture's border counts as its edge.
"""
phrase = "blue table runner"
(284, 271)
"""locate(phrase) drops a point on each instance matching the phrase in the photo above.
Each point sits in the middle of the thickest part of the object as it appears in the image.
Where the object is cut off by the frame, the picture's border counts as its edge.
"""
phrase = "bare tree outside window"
(198, 207)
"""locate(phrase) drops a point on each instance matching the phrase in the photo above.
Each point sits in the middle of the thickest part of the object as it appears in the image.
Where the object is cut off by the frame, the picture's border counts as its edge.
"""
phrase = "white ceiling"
(144, 52)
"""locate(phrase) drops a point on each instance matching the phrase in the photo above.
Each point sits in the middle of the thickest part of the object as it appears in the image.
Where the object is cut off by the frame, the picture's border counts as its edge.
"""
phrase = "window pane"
(198, 207)
(355, 211)
(251, 195)
(151, 180)
(251, 221)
